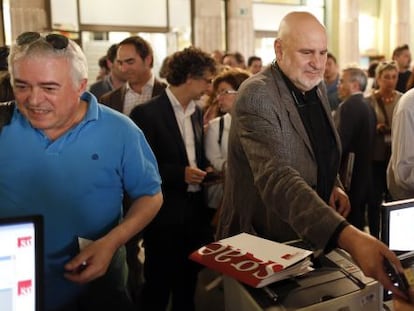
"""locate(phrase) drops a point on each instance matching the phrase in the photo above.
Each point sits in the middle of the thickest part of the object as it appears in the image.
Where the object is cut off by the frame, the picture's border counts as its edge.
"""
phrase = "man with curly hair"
(173, 126)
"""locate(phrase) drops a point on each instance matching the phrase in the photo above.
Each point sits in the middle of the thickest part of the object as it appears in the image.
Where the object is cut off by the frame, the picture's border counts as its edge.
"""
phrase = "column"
(348, 33)
(27, 16)
(400, 23)
(208, 29)
(395, 25)
(240, 32)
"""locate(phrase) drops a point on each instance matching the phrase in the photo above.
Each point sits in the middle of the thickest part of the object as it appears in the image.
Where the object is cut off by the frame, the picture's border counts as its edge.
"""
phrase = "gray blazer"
(271, 168)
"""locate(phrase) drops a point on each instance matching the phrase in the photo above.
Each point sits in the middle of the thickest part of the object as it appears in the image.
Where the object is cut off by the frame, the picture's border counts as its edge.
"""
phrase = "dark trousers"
(379, 194)
(107, 293)
(135, 268)
(357, 215)
(359, 196)
(102, 300)
(168, 272)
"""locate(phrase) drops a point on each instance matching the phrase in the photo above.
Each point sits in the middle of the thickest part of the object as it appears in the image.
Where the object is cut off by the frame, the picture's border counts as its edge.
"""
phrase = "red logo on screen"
(24, 288)
(24, 241)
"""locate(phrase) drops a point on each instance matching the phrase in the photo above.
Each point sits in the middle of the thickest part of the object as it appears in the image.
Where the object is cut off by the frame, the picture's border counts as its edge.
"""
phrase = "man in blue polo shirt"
(70, 159)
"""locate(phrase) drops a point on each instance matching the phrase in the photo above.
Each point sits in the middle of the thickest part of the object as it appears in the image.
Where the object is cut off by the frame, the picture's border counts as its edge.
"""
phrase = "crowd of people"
(385, 168)
(214, 147)
(374, 120)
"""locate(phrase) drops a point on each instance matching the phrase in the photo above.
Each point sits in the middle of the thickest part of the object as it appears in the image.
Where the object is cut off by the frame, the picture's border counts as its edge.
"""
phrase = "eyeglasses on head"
(57, 41)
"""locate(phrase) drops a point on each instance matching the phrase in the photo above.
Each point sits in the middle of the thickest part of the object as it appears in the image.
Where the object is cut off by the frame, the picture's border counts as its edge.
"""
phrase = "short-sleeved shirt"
(76, 182)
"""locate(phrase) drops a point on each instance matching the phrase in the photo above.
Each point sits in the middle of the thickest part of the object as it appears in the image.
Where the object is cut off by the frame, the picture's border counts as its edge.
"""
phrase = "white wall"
(268, 16)
(151, 13)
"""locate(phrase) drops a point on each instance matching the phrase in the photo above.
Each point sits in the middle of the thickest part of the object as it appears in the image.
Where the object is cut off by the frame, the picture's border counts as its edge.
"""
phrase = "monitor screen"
(397, 229)
(21, 256)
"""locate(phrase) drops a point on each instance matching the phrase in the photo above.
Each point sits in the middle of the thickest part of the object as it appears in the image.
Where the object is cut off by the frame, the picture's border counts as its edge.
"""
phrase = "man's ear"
(190, 79)
(83, 86)
(149, 61)
(355, 86)
(278, 48)
(109, 64)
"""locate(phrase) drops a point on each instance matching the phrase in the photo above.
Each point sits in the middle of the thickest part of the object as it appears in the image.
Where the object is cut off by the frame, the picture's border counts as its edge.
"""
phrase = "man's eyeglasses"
(58, 42)
(208, 80)
(388, 62)
(226, 92)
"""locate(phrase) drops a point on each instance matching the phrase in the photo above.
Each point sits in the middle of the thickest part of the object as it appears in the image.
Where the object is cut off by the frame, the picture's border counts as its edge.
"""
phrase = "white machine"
(336, 285)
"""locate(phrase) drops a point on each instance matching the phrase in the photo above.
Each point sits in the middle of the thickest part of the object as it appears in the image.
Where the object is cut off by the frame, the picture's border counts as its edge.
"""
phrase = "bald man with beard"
(284, 152)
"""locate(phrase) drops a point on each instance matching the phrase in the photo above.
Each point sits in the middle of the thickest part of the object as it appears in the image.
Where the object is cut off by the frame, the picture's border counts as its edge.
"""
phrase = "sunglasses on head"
(388, 62)
(58, 42)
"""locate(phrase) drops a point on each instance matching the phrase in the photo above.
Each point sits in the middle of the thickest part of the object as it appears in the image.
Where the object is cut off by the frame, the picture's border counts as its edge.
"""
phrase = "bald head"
(301, 49)
(296, 23)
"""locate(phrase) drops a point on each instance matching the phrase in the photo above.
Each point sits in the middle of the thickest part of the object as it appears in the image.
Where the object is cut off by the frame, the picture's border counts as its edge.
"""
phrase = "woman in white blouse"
(225, 85)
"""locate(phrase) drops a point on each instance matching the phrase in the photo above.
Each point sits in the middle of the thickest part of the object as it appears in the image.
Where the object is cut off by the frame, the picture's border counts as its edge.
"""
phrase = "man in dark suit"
(135, 59)
(331, 77)
(173, 126)
(355, 121)
(113, 80)
(402, 56)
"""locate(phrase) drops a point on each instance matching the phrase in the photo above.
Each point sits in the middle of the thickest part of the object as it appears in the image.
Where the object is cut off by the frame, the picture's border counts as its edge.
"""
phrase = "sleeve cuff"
(333, 241)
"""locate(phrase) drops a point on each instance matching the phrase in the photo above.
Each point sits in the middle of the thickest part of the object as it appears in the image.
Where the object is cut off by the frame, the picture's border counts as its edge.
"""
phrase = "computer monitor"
(21, 263)
(397, 229)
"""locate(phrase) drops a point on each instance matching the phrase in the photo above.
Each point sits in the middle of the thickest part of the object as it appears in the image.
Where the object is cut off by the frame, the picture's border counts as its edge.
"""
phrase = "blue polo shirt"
(76, 182)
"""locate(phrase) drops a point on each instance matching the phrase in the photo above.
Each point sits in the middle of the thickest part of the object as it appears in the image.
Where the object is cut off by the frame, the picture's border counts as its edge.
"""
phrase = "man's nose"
(36, 96)
(317, 60)
(122, 67)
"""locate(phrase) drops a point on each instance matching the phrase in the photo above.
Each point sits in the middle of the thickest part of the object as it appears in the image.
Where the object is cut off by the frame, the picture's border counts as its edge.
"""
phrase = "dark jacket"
(271, 167)
(356, 122)
(157, 120)
(115, 99)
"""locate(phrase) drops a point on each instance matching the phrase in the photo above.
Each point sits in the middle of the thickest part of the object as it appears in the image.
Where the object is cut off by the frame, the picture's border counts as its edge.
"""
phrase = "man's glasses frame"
(207, 80)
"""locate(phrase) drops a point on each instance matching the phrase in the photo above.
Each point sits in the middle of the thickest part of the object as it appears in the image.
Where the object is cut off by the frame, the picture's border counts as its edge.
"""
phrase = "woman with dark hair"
(225, 87)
